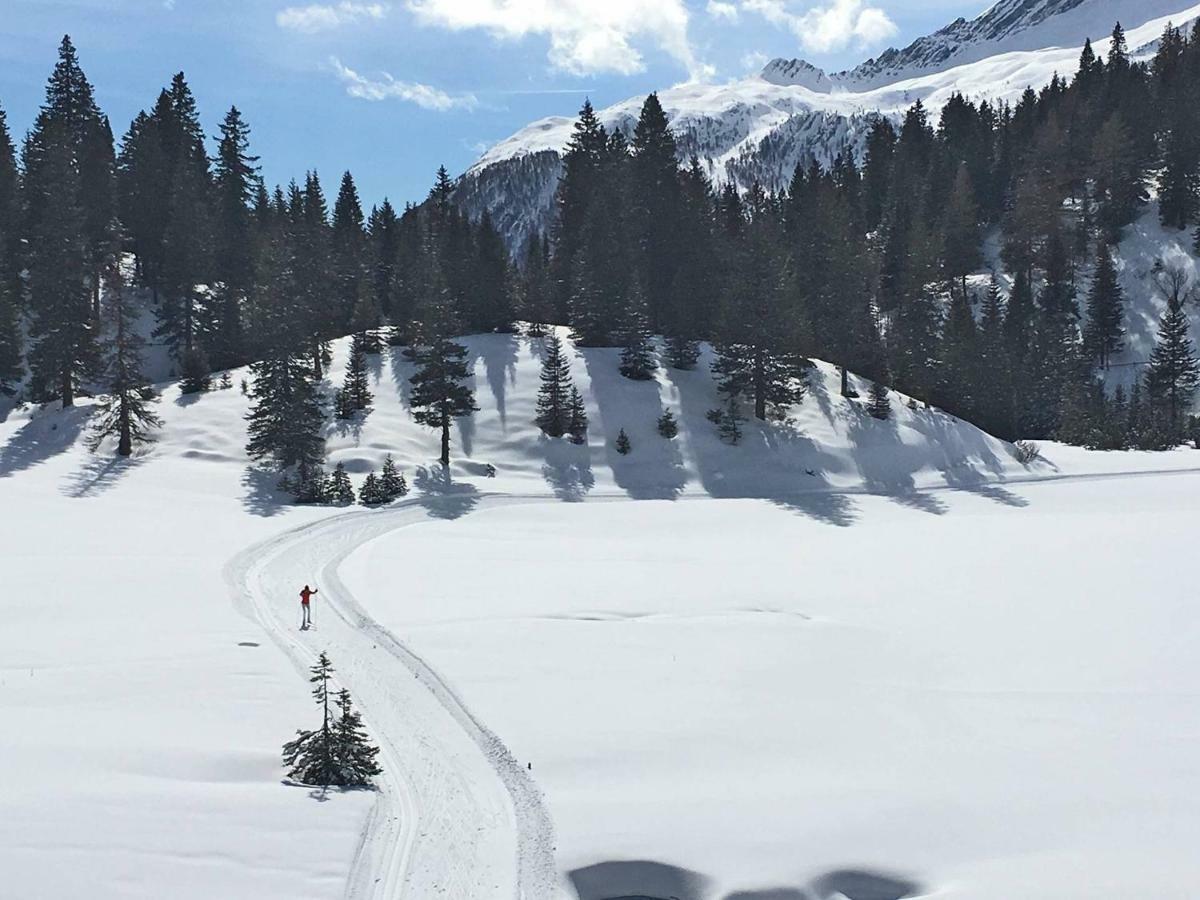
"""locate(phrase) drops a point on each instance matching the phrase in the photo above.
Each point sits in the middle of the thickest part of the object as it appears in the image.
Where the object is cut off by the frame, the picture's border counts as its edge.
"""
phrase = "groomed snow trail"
(456, 815)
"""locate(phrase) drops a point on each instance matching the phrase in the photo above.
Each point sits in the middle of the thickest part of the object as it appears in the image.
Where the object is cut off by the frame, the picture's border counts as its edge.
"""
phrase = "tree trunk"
(125, 442)
(68, 389)
(445, 439)
(845, 382)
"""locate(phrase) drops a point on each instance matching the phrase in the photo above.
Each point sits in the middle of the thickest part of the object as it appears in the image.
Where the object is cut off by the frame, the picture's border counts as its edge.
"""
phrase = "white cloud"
(586, 36)
(323, 17)
(834, 26)
(755, 60)
(718, 9)
(385, 87)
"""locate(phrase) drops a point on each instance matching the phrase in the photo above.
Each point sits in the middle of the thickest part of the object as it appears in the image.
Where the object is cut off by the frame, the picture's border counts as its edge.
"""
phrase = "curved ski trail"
(456, 815)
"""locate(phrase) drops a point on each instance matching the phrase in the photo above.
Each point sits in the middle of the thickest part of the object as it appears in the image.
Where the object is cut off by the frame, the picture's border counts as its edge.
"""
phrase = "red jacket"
(305, 594)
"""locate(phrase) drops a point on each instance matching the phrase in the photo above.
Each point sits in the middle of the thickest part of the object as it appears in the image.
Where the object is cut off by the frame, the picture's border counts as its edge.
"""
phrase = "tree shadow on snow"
(100, 473)
(770, 894)
(262, 494)
(402, 369)
(861, 884)
(47, 434)
(442, 497)
(638, 879)
(499, 355)
(653, 469)
(568, 468)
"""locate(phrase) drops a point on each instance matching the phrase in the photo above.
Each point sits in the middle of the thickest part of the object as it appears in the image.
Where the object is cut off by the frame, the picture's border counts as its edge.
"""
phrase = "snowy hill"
(759, 127)
(144, 709)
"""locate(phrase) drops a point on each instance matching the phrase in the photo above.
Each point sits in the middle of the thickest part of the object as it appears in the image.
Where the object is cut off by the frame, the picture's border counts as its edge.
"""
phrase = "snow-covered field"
(844, 655)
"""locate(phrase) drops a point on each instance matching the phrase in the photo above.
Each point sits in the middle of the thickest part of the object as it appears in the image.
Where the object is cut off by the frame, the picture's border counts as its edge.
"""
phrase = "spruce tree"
(236, 181)
(577, 419)
(356, 389)
(438, 394)
(637, 353)
(370, 493)
(355, 756)
(1105, 329)
(1174, 372)
(340, 490)
(622, 443)
(348, 252)
(124, 412)
(668, 426)
(11, 284)
(728, 420)
(194, 370)
(391, 482)
(553, 402)
(312, 756)
(879, 406)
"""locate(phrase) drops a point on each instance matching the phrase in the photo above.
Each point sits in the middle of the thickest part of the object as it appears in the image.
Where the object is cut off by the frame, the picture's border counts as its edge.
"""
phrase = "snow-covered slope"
(758, 128)
(144, 708)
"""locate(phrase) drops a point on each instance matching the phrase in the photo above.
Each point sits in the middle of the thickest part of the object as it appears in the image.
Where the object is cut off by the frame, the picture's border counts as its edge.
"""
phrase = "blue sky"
(390, 89)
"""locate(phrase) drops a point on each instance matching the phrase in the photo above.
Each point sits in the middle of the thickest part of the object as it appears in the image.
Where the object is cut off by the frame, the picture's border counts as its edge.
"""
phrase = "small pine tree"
(343, 406)
(553, 409)
(1173, 374)
(682, 353)
(391, 482)
(728, 421)
(622, 444)
(311, 757)
(354, 756)
(310, 485)
(371, 494)
(340, 491)
(577, 421)
(668, 426)
(879, 405)
(195, 376)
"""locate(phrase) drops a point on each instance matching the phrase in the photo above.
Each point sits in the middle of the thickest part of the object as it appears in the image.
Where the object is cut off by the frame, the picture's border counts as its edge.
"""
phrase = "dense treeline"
(868, 265)
(864, 264)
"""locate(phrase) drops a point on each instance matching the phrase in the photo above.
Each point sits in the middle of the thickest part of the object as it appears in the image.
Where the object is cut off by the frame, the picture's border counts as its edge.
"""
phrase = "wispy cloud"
(317, 17)
(834, 26)
(385, 87)
(718, 9)
(586, 36)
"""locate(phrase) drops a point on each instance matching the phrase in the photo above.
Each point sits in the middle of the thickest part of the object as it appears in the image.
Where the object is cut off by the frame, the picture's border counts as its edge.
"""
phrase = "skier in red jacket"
(305, 612)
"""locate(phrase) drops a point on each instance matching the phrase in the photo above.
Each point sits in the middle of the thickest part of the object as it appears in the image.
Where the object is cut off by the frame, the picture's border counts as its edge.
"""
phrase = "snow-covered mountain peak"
(796, 72)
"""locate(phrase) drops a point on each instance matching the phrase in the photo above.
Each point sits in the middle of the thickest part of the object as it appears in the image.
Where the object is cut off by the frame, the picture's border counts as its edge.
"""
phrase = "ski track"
(457, 815)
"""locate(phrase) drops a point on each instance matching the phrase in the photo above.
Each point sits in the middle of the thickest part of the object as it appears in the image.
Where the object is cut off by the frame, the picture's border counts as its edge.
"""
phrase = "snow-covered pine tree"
(354, 755)
(370, 494)
(577, 419)
(878, 404)
(622, 443)
(668, 425)
(311, 757)
(438, 395)
(553, 401)
(392, 483)
(637, 353)
(124, 411)
(340, 492)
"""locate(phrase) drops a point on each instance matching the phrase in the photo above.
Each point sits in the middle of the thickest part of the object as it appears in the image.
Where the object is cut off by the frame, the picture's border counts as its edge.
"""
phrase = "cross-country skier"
(305, 612)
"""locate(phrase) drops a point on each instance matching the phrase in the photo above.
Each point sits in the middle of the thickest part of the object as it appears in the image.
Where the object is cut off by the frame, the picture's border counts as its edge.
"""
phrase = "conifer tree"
(124, 412)
(312, 756)
(438, 395)
(553, 402)
(728, 420)
(370, 493)
(356, 389)
(960, 226)
(348, 252)
(391, 482)
(1105, 329)
(668, 426)
(1174, 372)
(637, 355)
(622, 443)
(194, 370)
(879, 406)
(340, 491)
(63, 350)
(236, 181)
(355, 756)
(383, 231)
(577, 419)
(10, 266)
